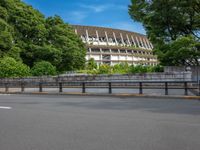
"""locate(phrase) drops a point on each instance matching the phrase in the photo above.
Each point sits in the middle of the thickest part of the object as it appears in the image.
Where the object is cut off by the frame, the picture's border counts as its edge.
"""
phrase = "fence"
(186, 86)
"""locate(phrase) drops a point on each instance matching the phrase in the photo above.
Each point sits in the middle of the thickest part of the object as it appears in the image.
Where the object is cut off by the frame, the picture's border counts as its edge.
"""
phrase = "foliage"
(9, 67)
(166, 23)
(105, 69)
(43, 68)
(183, 51)
(138, 69)
(27, 36)
(123, 68)
(91, 64)
(72, 49)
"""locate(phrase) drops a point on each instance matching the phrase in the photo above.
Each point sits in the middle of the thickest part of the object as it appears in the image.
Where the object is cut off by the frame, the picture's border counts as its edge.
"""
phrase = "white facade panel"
(96, 57)
(129, 58)
(114, 57)
(122, 57)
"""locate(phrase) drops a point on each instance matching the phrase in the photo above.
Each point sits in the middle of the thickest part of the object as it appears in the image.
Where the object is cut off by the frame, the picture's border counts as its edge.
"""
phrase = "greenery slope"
(27, 36)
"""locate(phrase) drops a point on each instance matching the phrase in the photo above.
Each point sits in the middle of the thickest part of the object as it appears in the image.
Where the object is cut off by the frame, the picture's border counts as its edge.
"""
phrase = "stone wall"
(194, 70)
(181, 76)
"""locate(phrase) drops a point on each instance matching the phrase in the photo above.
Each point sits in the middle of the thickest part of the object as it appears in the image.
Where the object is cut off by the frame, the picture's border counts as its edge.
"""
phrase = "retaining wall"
(183, 76)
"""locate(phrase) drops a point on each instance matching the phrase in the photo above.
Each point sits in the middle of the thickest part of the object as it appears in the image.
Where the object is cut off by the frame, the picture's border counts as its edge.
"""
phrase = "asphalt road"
(98, 123)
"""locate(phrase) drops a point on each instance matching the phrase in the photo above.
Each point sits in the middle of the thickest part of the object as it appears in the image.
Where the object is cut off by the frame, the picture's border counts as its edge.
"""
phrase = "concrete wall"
(194, 70)
(185, 76)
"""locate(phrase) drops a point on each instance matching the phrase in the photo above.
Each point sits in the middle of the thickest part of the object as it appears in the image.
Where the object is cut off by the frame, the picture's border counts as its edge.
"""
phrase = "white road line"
(4, 107)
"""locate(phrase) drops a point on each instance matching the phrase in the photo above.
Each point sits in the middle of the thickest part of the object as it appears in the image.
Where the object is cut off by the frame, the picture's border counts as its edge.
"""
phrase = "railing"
(187, 86)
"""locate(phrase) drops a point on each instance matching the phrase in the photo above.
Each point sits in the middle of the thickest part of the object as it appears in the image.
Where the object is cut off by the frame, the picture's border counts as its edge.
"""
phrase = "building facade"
(113, 46)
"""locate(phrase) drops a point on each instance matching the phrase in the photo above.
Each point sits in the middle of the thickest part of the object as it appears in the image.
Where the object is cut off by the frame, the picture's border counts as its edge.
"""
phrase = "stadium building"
(113, 46)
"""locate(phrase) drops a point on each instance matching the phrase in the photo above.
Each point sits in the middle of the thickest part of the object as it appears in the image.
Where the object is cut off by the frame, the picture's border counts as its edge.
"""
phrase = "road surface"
(98, 123)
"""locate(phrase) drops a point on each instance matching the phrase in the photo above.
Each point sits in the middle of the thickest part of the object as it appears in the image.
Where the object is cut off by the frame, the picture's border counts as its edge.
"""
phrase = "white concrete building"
(113, 46)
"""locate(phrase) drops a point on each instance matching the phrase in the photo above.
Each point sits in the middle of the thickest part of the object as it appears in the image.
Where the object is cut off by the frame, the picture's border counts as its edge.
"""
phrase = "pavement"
(66, 122)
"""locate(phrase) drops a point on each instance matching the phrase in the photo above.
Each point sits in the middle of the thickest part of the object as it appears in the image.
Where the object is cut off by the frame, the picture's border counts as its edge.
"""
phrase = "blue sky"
(105, 13)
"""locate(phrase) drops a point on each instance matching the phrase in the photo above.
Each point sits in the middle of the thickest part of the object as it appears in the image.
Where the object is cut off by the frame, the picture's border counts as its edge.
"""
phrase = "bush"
(105, 69)
(121, 68)
(138, 69)
(9, 67)
(91, 64)
(158, 68)
(43, 68)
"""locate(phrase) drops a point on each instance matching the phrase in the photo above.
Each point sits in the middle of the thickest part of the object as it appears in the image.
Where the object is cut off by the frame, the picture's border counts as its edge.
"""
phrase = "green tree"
(27, 36)
(166, 21)
(9, 67)
(62, 36)
(43, 68)
(6, 38)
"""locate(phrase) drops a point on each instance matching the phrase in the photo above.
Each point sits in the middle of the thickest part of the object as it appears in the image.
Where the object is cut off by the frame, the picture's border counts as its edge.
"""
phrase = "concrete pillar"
(133, 41)
(122, 39)
(97, 34)
(87, 36)
(107, 38)
(115, 38)
(148, 44)
(128, 40)
(142, 42)
(138, 43)
(145, 43)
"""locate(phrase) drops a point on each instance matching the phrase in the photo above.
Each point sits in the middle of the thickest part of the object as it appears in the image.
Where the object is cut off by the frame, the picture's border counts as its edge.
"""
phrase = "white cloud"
(102, 8)
(77, 16)
(95, 8)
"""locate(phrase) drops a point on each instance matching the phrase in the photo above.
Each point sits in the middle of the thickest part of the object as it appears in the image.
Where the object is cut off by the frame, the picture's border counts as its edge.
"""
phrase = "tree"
(166, 22)
(29, 37)
(43, 68)
(5, 37)
(62, 36)
(9, 67)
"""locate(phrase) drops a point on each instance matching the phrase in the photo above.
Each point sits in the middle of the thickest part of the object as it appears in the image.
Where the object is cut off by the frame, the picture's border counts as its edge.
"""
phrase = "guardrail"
(193, 86)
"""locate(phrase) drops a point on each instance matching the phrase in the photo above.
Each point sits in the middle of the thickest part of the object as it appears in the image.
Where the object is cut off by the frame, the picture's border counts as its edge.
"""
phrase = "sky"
(103, 13)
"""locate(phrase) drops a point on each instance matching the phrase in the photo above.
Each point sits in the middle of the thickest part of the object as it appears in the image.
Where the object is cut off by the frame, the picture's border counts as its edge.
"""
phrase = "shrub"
(91, 64)
(158, 68)
(43, 68)
(105, 69)
(121, 68)
(9, 67)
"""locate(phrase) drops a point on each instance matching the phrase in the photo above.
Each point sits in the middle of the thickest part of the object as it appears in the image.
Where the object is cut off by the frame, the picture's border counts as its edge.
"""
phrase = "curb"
(108, 95)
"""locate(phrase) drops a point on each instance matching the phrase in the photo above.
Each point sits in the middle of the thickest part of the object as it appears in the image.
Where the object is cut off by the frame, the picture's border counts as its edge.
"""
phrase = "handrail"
(165, 84)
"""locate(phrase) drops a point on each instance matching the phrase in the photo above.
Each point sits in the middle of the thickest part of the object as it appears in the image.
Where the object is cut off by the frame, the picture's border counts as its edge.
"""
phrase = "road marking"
(4, 107)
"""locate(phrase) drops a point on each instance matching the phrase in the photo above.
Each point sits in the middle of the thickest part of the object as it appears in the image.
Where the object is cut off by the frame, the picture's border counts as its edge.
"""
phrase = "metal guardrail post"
(140, 88)
(199, 87)
(83, 87)
(60, 87)
(22, 87)
(166, 88)
(40, 87)
(186, 88)
(110, 87)
(6, 87)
